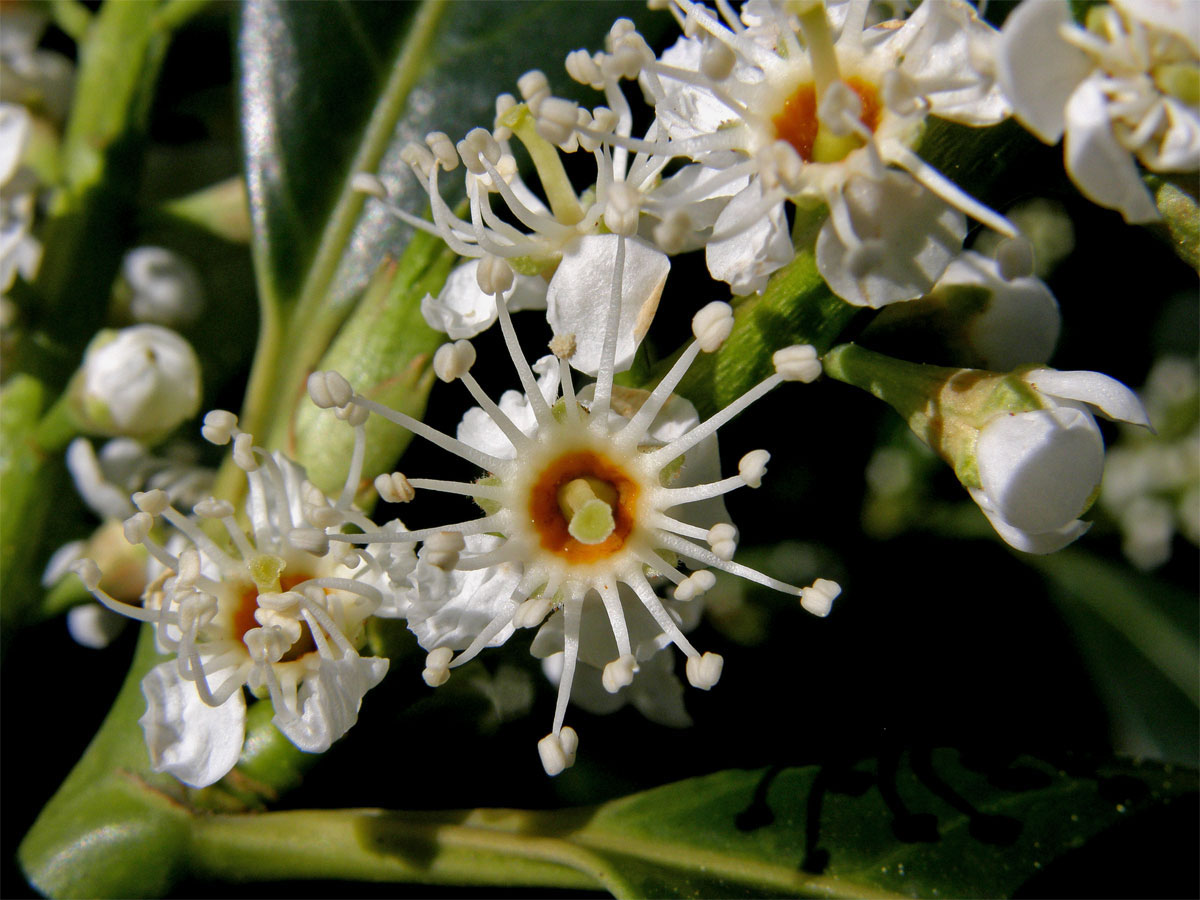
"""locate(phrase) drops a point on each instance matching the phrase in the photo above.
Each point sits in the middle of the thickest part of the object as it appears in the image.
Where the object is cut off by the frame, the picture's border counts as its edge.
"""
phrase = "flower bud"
(160, 287)
(137, 382)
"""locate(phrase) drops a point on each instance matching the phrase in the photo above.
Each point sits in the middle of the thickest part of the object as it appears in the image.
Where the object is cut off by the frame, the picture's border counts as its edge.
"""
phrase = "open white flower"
(781, 107)
(1122, 89)
(1039, 470)
(586, 492)
(276, 612)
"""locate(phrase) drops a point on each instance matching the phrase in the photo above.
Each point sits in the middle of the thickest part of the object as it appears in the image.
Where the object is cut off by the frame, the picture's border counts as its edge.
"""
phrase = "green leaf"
(933, 823)
(330, 90)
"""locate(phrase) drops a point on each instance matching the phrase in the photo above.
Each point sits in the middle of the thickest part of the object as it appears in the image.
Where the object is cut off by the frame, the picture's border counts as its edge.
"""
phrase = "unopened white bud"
(453, 361)
(619, 673)
(138, 382)
(329, 389)
(166, 288)
(704, 671)
(218, 427)
(818, 598)
(797, 363)
(753, 466)
(437, 666)
(394, 488)
(712, 325)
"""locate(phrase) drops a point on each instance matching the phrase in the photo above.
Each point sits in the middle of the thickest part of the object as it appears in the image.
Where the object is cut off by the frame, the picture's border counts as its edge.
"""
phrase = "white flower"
(586, 493)
(140, 381)
(773, 101)
(1039, 470)
(39, 79)
(20, 252)
(1124, 88)
(277, 613)
(165, 287)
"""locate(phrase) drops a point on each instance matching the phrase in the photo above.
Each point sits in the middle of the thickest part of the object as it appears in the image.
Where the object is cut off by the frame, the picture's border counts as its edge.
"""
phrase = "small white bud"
(453, 361)
(819, 597)
(138, 382)
(797, 363)
(712, 325)
(166, 287)
(753, 467)
(394, 488)
(704, 671)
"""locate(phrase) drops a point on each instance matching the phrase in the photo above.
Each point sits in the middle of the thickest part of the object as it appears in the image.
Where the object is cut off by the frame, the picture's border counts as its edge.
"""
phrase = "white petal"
(106, 500)
(1101, 168)
(196, 743)
(1109, 397)
(462, 310)
(1180, 18)
(329, 701)
(1036, 68)
(1040, 469)
(578, 297)
(1021, 322)
(15, 126)
(1026, 541)
(916, 233)
(449, 609)
(754, 249)
(1179, 148)
(480, 431)
(93, 625)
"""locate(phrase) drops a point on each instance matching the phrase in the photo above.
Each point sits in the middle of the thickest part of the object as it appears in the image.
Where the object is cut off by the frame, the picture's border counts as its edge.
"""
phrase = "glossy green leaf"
(927, 824)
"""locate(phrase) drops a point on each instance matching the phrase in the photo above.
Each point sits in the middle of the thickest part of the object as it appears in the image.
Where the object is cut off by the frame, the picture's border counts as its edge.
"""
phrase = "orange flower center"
(797, 123)
(609, 483)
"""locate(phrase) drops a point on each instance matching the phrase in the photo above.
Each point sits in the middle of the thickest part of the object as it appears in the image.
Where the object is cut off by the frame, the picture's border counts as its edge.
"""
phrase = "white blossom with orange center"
(583, 505)
(782, 108)
(273, 611)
